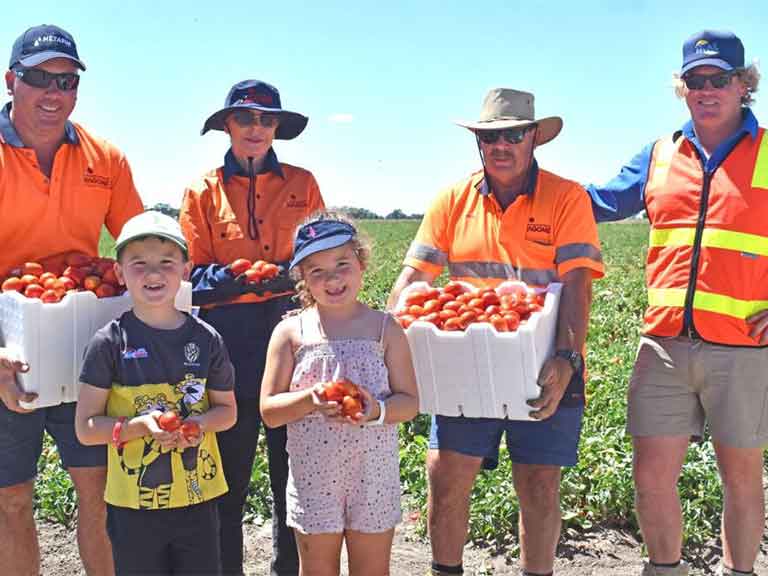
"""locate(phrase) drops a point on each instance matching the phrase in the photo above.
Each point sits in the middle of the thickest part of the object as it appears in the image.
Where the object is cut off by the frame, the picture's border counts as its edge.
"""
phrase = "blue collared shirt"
(624, 195)
(11, 137)
(233, 168)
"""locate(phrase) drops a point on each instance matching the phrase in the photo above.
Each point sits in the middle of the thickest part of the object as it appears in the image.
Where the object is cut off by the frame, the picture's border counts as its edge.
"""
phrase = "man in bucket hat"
(702, 356)
(511, 220)
(249, 208)
(60, 186)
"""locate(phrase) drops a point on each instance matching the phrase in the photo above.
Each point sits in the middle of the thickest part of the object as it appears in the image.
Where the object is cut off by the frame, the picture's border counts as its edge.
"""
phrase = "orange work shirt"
(539, 238)
(214, 216)
(90, 186)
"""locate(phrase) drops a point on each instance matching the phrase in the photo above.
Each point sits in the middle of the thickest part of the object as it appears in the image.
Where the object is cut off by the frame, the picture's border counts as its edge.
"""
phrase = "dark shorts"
(170, 541)
(21, 442)
(553, 441)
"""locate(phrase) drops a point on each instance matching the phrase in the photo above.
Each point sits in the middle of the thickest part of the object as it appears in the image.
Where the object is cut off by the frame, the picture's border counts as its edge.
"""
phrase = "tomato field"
(597, 492)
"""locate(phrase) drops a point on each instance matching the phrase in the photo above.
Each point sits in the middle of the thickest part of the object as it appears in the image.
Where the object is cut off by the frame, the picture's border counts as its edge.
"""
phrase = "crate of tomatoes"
(478, 352)
(48, 314)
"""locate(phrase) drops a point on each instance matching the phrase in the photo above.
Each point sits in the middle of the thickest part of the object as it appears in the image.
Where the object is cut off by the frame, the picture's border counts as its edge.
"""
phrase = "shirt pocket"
(224, 230)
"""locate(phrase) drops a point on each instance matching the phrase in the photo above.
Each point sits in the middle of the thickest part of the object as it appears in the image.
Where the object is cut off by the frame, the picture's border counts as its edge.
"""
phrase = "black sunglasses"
(39, 78)
(511, 135)
(717, 81)
(245, 118)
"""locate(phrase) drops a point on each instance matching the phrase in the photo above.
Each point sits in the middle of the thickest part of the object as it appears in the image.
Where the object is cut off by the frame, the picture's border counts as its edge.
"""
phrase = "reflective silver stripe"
(501, 271)
(427, 254)
(576, 250)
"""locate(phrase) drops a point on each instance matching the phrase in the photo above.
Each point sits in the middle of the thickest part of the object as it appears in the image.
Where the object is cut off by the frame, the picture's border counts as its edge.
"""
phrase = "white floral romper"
(341, 476)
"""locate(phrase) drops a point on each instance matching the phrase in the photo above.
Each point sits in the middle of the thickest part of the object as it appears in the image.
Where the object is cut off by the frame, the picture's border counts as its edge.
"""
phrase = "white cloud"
(341, 118)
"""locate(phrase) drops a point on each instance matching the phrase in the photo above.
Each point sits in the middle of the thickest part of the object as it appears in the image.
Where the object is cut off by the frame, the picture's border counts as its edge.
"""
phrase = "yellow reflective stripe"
(711, 238)
(760, 174)
(726, 305)
(675, 298)
(671, 237)
(738, 241)
(669, 297)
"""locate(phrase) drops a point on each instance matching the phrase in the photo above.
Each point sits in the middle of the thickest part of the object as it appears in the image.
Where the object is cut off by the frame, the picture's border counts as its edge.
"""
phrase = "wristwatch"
(573, 357)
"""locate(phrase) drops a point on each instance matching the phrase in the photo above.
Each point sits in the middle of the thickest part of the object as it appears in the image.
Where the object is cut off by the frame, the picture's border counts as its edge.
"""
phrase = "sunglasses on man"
(717, 81)
(510, 135)
(39, 78)
(246, 118)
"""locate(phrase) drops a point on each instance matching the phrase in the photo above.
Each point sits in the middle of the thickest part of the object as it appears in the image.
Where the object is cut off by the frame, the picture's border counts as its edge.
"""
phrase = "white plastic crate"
(481, 373)
(52, 338)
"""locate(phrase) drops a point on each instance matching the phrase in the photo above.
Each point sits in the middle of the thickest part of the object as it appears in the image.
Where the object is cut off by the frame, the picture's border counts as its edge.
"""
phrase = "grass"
(597, 492)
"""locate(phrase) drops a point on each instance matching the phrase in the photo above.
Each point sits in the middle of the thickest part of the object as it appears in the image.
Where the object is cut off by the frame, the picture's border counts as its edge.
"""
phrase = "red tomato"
(76, 274)
(169, 421)
(336, 390)
(444, 298)
(432, 306)
(105, 290)
(493, 309)
(416, 298)
(59, 288)
(467, 318)
(91, 282)
(445, 314)
(416, 310)
(13, 284)
(110, 277)
(33, 291)
(454, 305)
(490, 298)
(270, 270)
(28, 279)
(190, 429)
(464, 297)
(45, 276)
(351, 406)
(239, 266)
(432, 318)
(454, 288)
(33, 268)
(476, 303)
(482, 318)
(49, 297)
(67, 282)
(253, 275)
(452, 325)
(499, 323)
(405, 320)
(513, 320)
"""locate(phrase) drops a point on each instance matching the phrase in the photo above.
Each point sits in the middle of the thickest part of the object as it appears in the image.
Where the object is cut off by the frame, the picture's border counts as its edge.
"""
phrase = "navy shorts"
(21, 442)
(553, 441)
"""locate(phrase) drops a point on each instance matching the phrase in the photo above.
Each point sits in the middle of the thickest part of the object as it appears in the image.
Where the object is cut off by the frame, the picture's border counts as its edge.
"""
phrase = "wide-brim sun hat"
(507, 108)
(263, 97)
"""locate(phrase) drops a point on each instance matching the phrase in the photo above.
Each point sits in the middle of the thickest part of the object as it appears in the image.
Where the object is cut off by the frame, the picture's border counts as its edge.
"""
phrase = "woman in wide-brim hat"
(248, 208)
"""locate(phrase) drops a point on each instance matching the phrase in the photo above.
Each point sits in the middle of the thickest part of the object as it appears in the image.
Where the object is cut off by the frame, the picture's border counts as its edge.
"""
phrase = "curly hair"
(749, 76)
(360, 244)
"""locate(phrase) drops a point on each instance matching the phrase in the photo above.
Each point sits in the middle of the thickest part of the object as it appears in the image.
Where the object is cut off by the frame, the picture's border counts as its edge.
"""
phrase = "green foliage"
(596, 492)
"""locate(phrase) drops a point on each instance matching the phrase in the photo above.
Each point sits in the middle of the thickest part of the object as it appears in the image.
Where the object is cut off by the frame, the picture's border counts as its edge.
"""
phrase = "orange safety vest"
(707, 266)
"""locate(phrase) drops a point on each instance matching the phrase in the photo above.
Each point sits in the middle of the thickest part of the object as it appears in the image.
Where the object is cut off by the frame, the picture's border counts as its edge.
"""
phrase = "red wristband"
(116, 430)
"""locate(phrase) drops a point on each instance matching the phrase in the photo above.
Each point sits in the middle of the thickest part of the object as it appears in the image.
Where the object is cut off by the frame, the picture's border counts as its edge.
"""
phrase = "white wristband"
(382, 414)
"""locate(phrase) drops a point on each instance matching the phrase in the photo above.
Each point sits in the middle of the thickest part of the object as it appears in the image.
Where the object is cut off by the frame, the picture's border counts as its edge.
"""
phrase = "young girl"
(344, 481)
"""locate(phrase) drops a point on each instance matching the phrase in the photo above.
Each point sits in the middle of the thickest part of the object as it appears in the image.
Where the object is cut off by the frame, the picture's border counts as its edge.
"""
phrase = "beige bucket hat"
(508, 108)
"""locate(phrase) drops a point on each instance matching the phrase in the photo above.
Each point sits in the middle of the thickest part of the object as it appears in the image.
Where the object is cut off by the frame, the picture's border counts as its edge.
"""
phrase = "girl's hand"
(371, 408)
(166, 440)
(331, 410)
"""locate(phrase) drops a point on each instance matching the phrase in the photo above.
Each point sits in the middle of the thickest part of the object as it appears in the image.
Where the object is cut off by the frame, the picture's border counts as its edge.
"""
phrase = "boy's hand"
(166, 440)
(191, 434)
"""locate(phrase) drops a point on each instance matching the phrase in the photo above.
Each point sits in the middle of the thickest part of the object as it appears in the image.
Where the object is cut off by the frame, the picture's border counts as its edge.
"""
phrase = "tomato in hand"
(239, 266)
(351, 406)
(169, 421)
(190, 429)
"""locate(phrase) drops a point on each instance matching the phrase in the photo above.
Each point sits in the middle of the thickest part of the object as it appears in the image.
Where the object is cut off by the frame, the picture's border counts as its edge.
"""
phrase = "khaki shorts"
(678, 384)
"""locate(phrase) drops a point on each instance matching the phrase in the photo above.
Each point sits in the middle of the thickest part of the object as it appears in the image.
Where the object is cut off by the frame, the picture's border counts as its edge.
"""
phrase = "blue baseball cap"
(42, 43)
(318, 236)
(258, 95)
(713, 48)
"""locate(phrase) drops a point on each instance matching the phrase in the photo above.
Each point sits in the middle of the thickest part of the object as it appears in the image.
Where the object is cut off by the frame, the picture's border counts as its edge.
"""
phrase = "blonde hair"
(749, 77)
(360, 244)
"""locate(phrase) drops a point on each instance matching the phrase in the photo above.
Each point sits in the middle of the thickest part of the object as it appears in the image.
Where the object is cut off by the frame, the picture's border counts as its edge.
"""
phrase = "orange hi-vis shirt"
(214, 217)
(539, 238)
(43, 218)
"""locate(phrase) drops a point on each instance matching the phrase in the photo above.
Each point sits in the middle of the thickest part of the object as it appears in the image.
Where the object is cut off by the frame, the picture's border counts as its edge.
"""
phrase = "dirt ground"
(606, 552)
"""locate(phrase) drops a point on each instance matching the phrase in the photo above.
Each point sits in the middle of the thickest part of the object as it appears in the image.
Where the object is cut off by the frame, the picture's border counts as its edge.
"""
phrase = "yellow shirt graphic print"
(143, 476)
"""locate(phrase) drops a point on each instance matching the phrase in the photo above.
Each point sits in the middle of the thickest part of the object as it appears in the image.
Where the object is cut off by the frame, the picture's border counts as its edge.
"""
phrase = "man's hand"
(759, 327)
(10, 393)
(553, 380)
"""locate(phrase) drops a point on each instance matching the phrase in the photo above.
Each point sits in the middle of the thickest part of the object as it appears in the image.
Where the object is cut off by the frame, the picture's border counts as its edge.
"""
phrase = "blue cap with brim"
(42, 43)
(318, 236)
(713, 48)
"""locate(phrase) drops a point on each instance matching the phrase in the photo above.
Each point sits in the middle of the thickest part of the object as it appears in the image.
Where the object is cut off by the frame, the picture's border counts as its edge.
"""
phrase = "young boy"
(154, 359)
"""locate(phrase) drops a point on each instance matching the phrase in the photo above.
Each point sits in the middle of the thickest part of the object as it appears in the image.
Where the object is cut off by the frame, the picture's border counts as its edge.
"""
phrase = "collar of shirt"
(232, 166)
(9, 135)
(484, 189)
(748, 126)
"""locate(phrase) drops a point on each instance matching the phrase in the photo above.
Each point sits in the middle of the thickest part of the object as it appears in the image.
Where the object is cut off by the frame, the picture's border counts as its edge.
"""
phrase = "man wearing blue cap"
(59, 186)
(702, 356)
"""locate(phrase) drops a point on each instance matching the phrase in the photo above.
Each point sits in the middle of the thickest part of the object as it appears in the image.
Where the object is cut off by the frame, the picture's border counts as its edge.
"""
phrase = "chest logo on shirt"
(134, 353)
(191, 354)
(296, 203)
(95, 179)
(541, 228)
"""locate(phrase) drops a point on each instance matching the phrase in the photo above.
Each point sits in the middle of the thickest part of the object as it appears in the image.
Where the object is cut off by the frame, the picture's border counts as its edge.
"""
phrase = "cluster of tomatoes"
(255, 272)
(82, 273)
(456, 306)
(346, 394)
(170, 421)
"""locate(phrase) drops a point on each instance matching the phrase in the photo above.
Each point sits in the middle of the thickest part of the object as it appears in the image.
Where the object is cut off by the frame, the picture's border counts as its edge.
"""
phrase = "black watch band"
(573, 357)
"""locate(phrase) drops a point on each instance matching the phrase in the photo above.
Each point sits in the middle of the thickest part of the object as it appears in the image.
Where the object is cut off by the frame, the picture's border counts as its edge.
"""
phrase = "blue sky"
(382, 82)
